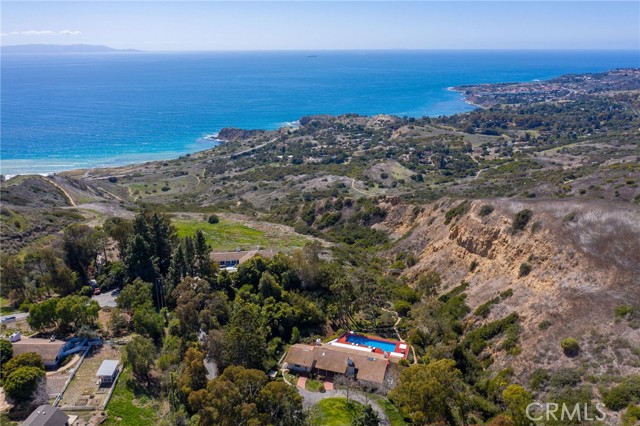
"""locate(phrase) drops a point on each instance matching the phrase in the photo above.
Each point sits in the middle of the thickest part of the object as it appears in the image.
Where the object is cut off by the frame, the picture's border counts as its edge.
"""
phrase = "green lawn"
(334, 412)
(292, 378)
(313, 385)
(230, 234)
(130, 408)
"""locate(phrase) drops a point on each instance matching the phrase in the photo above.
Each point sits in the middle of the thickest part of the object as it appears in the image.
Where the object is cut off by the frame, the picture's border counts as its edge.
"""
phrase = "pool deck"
(401, 348)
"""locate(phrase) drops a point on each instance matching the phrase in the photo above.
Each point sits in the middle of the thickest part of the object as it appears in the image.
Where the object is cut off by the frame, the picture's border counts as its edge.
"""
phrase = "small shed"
(108, 371)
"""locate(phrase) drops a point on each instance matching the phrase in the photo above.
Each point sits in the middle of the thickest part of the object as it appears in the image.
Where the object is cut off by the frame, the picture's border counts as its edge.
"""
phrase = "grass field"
(4, 307)
(335, 412)
(130, 408)
(231, 234)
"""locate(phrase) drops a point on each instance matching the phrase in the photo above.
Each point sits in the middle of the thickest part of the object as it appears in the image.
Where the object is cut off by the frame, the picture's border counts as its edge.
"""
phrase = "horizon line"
(355, 49)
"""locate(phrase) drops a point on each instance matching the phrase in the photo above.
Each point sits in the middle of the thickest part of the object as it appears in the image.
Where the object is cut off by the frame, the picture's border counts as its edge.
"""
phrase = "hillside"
(583, 257)
(486, 238)
(60, 48)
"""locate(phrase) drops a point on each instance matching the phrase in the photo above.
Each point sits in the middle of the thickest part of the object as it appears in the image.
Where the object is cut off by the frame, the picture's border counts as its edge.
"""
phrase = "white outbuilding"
(108, 371)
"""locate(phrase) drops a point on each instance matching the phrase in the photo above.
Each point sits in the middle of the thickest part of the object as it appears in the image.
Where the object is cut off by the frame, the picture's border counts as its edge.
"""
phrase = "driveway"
(105, 299)
(312, 398)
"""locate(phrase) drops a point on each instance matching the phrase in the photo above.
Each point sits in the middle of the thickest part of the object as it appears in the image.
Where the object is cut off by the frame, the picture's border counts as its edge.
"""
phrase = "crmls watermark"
(563, 412)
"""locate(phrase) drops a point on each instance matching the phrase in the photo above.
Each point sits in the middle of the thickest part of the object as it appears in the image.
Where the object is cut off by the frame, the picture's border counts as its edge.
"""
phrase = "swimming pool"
(366, 341)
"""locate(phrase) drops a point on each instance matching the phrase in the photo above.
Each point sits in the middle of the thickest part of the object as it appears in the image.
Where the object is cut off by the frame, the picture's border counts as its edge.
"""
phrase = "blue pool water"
(366, 341)
(66, 111)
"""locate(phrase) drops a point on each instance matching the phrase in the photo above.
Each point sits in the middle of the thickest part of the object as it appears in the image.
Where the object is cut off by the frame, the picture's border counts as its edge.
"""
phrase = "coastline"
(464, 98)
(10, 168)
(77, 138)
(103, 163)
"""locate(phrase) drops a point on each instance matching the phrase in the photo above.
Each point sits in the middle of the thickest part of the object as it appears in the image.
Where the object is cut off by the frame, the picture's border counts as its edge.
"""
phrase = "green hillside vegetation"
(230, 234)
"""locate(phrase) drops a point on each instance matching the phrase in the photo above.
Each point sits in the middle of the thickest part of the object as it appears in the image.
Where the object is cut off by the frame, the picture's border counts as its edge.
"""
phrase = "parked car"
(115, 292)
(15, 336)
(97, 291)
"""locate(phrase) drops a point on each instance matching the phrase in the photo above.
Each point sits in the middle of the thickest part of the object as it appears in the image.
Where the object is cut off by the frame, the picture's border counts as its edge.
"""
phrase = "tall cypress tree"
(189, 255)
(161, 241)
(202, 257)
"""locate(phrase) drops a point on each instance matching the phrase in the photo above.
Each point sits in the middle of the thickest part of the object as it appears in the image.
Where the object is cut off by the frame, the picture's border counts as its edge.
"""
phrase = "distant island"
(61, 48)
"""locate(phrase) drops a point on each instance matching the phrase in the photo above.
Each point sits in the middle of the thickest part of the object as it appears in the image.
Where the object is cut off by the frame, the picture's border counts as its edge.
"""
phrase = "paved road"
(312, 398)
(19, 316)
(105, 299)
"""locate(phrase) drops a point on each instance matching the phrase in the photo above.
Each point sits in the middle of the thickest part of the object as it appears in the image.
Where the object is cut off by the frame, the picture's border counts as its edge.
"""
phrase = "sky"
(162, 25)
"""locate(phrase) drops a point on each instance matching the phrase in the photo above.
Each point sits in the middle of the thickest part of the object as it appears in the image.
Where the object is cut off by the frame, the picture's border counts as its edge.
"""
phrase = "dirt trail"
(73, 203)
(110, 193)
(395, 328)
(353, 186)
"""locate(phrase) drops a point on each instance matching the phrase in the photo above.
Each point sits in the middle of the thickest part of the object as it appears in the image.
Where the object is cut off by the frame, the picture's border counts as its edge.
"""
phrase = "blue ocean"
(68, 111)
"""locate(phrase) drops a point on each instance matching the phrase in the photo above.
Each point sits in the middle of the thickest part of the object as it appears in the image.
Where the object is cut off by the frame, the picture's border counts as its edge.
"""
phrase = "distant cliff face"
(232, 134)
(583, 261)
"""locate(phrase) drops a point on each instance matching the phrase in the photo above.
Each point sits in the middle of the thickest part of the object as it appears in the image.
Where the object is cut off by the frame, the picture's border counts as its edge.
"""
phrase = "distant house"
(370, 369)
(46, 415)
(231, 259)
(50, 350)
(108, 371)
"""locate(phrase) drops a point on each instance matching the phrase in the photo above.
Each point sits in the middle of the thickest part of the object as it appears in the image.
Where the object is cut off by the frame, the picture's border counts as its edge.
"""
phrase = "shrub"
(486, 210)
(632, 416)
(473, 266)
(404, 292)
(623, 394)
(321, 388)
(403, 362)
(544, 324)
(524, 270)
(506, 294)
(539, 379)
(520, 220)
(429, 284)
(535, 227)
(623, 310)
(213, 219)
(564, 377)
(402, 307)
(476, 340)
(398, 264)
(484, 310)
(329, 219)
(570, 346)
(456, 212)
